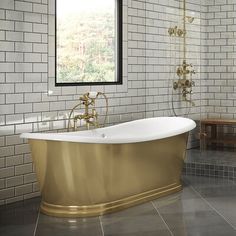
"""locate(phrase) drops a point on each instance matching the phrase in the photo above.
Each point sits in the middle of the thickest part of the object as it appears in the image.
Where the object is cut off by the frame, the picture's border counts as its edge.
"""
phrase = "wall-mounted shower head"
(189, 19)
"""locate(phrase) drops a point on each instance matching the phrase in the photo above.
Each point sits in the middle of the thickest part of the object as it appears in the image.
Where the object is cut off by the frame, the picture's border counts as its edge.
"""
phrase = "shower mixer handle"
(183, 83)
(185, 69)
(177, 32)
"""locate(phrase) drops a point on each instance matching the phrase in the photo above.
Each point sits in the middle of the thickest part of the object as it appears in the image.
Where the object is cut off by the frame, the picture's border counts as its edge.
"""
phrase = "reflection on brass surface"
(79, 179)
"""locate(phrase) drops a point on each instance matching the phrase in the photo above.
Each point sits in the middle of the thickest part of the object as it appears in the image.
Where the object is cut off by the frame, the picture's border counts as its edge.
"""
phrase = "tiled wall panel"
(221, 59)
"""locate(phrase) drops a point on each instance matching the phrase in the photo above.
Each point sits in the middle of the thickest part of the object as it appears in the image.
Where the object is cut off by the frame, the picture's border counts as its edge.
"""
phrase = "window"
(88, 42)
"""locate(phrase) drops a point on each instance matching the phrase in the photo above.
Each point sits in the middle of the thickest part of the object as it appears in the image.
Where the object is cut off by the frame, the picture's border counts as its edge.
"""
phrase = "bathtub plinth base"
(101, 209)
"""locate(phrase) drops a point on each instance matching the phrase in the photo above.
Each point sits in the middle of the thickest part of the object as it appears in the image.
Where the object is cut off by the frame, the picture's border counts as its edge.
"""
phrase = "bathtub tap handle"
(93, 94)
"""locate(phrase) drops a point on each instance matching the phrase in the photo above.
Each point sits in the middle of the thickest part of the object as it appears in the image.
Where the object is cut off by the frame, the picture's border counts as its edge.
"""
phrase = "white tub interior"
(129, 132)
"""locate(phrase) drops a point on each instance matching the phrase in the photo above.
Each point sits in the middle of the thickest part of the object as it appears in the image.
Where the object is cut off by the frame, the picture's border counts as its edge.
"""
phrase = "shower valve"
(183, 83)
(175, 31)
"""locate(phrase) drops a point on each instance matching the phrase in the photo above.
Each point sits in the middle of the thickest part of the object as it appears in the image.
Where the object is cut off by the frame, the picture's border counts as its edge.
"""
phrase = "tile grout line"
(36, 224)
(101, 225)
(167, 226)
(212, 206)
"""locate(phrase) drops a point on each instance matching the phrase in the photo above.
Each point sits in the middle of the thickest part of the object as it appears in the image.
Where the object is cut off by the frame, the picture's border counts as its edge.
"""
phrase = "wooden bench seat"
(218, 122)
(214, 137)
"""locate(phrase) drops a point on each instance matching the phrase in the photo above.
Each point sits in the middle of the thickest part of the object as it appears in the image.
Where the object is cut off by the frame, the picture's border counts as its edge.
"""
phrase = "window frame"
(119, 51)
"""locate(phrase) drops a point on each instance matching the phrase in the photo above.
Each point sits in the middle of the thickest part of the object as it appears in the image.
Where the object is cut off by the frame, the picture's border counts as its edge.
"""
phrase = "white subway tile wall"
(220, 18)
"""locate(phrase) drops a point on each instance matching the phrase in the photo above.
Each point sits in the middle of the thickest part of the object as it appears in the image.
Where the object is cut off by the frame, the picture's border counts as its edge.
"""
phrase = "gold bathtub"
(89, 179)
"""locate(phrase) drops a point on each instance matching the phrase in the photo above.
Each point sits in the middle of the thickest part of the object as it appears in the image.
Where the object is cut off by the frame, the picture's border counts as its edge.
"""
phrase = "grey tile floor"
(205, 207)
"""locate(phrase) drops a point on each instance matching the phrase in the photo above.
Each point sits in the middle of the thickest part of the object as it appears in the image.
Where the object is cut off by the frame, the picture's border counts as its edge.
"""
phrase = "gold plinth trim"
(101, 209)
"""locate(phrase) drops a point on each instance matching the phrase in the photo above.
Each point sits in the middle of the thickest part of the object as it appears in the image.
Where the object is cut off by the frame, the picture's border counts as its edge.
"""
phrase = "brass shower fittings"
(175, 31)
(183, 83)
(185, 69)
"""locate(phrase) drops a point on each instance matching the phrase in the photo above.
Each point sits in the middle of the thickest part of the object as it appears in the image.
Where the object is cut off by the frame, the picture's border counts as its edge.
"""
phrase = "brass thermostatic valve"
(175, 31)
(183, 83)
(185, 69)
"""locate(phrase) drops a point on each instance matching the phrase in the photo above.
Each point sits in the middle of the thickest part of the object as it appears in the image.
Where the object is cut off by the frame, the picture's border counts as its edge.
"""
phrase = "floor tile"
(139, 220)
(192, 215)
(158, 232)
(226, 206)
(194, 221)
(219, 193)
(19, 219)
(212, 187)
(49, 226)
(217, 230)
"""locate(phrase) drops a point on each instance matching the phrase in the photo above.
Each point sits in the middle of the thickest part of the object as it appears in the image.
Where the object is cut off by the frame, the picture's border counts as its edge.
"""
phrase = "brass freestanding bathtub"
(89, 173)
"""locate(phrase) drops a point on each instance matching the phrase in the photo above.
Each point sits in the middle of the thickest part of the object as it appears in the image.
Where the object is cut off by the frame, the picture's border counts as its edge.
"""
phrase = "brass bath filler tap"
(89, 118)
(90, 115)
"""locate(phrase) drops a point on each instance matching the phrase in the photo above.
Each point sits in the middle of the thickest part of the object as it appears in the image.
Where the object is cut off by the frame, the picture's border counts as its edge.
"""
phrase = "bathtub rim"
(65, 137)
